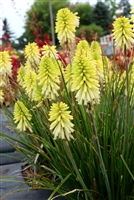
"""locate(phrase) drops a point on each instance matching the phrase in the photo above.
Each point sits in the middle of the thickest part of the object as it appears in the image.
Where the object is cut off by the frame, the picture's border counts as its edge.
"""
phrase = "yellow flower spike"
(38, 96)
(3, 81)
(1, 96)
(48, 77)
(66, 22)
(97, 56)
(29, 67)
(61, 125)
(76, 19)
(13, 52)
(123, 33)
(95, 47)
(30, 84)
(68, 77)
(131, 78)
(83, 49)
(5, 64)
(49, 51)
(107, 69)
(22, 116)
(85, 81)
(32, 54)
(20, 76)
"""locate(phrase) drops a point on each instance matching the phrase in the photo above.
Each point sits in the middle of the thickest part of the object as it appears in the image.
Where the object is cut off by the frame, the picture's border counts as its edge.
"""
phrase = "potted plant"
(75, 121)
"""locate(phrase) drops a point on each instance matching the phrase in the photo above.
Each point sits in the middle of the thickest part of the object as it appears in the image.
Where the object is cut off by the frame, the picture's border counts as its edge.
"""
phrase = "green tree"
(19, 43)
(7, 34)
(126, 7)
(38, 17)
(87, 29)
(112, 7)
(84, 12)
(101, 16)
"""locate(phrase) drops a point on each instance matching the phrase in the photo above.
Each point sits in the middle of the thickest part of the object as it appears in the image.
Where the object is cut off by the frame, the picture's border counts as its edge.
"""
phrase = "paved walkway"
(11, 180)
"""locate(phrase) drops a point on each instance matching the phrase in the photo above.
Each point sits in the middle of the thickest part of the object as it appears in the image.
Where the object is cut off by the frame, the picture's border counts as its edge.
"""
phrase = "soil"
(27, 171)
(33, 178)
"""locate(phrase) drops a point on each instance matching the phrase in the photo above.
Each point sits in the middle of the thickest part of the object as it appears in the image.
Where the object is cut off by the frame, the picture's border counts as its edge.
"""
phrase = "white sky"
(14, 11)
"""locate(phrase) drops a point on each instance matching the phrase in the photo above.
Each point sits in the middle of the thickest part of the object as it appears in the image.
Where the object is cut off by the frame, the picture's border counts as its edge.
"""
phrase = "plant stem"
(127, 105)
(36, 158)
(102, 166)
(69, 153)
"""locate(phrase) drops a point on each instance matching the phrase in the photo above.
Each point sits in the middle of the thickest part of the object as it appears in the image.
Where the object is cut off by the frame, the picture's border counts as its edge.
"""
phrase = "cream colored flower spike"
(32, 54)
(66, 23)
(22, 116)
(61, 125)
(123, 33)
(5, 64)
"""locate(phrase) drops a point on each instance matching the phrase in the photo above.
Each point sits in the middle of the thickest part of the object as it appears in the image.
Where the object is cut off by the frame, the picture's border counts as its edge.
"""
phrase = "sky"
(14, 11)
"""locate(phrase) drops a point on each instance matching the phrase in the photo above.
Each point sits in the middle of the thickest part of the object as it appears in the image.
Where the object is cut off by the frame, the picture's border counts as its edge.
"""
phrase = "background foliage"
(38, 22)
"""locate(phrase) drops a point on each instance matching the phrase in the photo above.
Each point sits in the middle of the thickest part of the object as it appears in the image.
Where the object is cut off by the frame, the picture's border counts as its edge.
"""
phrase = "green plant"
(102, 15)
(76, 123)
